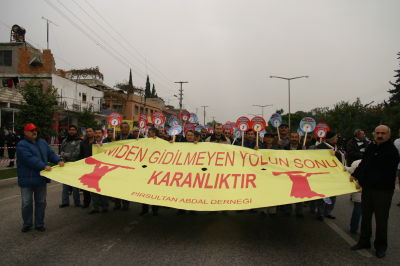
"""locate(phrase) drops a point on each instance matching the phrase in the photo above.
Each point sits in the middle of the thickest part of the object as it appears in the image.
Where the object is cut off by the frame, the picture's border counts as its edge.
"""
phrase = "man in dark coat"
(376, 174)
(123, 136)
(12, 140)
(86, 151)
(355, 147)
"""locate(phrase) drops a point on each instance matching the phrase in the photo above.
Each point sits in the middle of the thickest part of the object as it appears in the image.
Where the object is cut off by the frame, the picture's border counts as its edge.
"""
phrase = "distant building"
(20, 63)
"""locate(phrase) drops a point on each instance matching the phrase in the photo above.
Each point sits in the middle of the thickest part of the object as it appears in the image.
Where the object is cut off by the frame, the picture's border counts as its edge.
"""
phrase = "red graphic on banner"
(301, 187)
(92, 179)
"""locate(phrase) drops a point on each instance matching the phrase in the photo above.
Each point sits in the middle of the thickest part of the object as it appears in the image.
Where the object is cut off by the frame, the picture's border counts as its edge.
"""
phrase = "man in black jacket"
(123, 136)
(376, 174)
(356, 146)
(86, 151)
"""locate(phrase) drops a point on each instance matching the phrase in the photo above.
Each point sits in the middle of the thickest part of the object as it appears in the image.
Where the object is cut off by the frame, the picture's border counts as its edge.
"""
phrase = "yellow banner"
(205, 176)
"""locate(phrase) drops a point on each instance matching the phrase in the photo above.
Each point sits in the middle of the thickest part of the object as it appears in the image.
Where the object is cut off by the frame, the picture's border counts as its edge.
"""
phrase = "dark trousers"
(86, 198)
(11, 155)
(125, 203)
(145, 208)
(376, 202)
(355, 217)
(324, 209)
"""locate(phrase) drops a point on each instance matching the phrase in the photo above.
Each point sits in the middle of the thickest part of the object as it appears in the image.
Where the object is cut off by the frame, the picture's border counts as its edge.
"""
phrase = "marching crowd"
(373, 165)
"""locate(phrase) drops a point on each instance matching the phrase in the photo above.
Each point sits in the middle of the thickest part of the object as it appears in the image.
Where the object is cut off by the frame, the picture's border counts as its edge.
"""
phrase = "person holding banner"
(376, 174)
(218, 136)
(249, 140)
(125, 128)
(325, 206)
(69, 151)
(33, 156)
(86, 151)
(110, 136)
(152, 133)
(204, 134)
(100, 202)
(283, 135)
(294, 144)
(228, 134)
(268, 143)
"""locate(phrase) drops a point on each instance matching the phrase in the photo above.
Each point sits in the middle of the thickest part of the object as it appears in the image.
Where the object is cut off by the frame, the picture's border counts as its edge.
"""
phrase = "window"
(83, 97)
(5, 58)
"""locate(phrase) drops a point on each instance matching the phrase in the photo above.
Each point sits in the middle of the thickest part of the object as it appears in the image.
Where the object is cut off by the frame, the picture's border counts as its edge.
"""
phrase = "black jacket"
(86, 149)
(355, 150)
(377, 169)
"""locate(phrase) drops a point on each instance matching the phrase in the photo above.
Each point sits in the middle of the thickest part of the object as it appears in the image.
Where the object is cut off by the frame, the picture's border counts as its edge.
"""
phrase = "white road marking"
(347, 238)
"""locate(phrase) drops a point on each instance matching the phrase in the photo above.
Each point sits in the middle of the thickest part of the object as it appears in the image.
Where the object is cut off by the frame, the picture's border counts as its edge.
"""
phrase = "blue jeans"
(355, 217)
(65, 195)
(28, 195)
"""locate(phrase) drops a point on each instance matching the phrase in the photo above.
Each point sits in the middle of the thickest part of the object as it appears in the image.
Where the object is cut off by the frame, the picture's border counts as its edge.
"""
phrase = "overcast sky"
(225, 49)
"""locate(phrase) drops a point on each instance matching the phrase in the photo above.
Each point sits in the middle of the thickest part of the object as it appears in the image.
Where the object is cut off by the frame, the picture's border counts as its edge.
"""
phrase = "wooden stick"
(114, 133)
(173, 138)
(305, 138)
(279, 135)
(257, 139)
(242, 139)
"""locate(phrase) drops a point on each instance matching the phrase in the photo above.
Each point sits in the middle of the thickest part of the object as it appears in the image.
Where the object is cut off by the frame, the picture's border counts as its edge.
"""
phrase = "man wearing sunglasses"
(33, 156)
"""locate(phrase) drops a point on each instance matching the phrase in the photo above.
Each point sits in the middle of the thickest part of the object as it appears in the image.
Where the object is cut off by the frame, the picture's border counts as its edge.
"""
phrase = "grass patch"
(8, 173)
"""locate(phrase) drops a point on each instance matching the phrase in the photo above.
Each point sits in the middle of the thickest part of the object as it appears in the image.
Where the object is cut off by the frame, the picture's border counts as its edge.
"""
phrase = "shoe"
(320, 218)
(25, 229)
(359, 246)
(40, 229)
(330, 216)
(63, 205)
(93, 212)
(380, 254)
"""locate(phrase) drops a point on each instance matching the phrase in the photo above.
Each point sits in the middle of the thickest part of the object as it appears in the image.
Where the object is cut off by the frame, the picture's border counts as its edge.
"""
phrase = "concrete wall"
(72, 94)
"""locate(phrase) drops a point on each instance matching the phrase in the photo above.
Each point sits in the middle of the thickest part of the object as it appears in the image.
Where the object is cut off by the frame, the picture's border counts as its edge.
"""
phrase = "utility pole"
(213, 121)
(180, 97)
(262, 108)
(204, 114)
(288, 80)
(48, 21)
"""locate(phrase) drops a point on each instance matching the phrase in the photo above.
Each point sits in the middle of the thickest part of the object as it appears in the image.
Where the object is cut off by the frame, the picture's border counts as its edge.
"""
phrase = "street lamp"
(288, 79)
(262, 108)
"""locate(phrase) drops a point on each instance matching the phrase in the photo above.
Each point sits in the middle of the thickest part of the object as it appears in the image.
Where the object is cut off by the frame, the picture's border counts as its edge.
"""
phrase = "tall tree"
(153, 92)
(130, 77)
(147, 91)
(39, 108)
(86, 118)
(395, 92)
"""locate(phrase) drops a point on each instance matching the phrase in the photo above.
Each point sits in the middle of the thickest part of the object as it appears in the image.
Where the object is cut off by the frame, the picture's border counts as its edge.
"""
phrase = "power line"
(127, 42)
(97, 42)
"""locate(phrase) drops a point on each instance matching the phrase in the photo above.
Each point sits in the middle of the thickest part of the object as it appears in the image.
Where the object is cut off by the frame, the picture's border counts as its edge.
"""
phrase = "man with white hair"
(376, 174)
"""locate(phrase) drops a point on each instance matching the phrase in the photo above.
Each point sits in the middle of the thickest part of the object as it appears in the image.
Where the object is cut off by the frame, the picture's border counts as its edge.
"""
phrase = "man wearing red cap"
(33, 155)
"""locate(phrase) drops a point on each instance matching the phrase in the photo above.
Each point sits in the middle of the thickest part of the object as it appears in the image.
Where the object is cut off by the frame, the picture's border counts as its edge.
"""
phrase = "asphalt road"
(74, 237)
